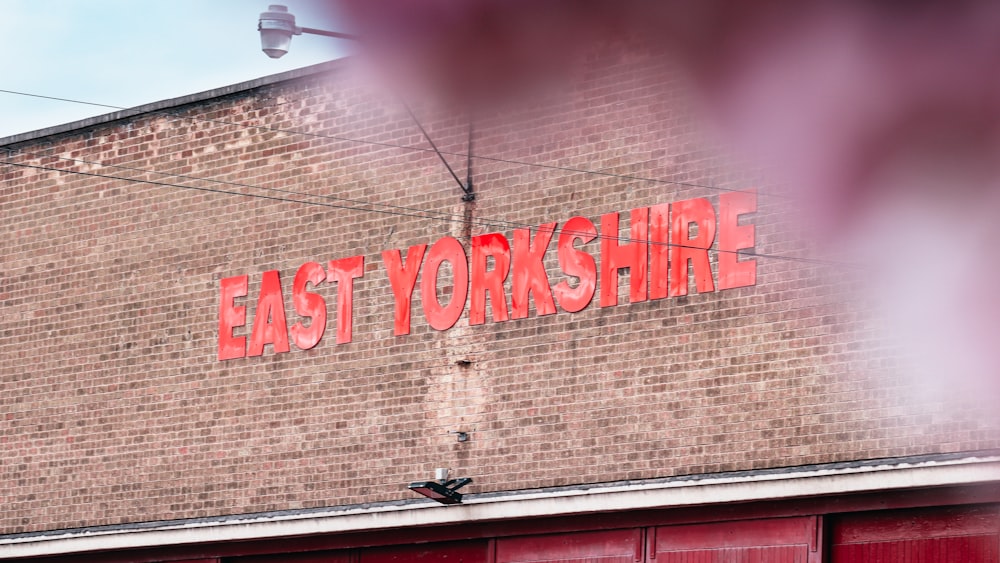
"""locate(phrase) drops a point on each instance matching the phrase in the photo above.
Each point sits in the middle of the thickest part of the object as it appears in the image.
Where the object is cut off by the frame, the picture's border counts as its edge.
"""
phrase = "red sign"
(666, 244)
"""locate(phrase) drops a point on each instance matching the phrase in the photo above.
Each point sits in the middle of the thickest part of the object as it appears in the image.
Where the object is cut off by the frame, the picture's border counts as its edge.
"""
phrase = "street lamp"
(277, 26)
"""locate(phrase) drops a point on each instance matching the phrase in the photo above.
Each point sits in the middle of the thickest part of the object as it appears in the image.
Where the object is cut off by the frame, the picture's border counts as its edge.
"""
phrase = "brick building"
(236, 325)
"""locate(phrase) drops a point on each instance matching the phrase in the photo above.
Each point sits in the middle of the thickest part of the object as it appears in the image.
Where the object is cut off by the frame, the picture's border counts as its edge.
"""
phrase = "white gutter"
(663, 494)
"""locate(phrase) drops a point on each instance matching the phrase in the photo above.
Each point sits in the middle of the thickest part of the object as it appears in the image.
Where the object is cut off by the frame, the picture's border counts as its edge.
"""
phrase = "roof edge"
(885, 474)
(170, 103)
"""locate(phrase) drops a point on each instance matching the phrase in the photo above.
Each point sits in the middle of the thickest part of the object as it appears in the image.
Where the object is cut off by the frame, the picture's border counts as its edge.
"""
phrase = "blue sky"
(131, 52)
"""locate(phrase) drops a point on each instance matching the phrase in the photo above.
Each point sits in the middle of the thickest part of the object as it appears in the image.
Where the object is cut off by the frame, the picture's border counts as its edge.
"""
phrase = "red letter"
(733, 237)
(403, 278)
(529, 272)
(231, 347)
(659, 248)
(308, 305)
(445, 250)
(684, 248)
(632, 255)
(576, 263)
(483, 280)
(343, 272)
(269, 326)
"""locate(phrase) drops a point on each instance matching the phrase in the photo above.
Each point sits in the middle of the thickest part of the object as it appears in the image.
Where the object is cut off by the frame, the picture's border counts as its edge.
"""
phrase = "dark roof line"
(328, 510)
(170, 103)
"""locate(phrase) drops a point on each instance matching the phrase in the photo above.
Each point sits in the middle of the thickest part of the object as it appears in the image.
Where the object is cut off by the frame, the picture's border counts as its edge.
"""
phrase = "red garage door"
(778, 540)
(448, 552)
(608, 546)
(343, 556)
(314, 557)
(939, 535)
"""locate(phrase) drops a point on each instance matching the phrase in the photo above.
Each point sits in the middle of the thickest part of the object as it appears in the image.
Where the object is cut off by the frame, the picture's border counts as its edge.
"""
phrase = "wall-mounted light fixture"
(442, 490)
(277, 26)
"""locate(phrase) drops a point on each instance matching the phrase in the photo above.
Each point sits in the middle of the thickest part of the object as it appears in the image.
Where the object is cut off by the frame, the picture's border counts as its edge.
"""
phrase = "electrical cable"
(478, 222)
(425, 213)
(177, 115)
(61, 99)
(217, 191)
(411, 212)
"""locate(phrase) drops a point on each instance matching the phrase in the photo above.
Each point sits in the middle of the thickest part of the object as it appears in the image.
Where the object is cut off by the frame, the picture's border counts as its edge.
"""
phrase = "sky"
(132, 52)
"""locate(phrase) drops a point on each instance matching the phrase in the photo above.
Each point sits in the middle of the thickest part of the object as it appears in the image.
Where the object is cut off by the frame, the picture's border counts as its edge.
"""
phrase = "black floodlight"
(442, 490)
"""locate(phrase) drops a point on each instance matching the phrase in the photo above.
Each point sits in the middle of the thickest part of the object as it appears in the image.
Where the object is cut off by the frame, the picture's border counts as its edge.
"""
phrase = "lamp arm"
(456, 484)
(323, 32)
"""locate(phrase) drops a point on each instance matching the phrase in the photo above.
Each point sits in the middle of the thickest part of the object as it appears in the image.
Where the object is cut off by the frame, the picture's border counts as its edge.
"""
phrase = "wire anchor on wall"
(470, 195)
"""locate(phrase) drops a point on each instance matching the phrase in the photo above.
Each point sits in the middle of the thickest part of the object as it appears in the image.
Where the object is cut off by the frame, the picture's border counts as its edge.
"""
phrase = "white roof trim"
(638, 496)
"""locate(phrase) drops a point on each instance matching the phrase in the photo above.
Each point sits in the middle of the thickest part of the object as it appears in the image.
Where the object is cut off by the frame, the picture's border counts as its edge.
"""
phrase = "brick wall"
(116, 409)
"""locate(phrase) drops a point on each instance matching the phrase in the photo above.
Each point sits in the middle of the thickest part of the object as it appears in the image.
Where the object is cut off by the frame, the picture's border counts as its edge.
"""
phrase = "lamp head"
(442, 490)
(276, 28)
(435, 490)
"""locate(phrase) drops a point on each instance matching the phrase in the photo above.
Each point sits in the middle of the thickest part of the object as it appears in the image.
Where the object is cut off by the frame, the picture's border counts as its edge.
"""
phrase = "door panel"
(778, 540)
(606, 546)
(340, 556)
(967, 549)
(449, 552)
(765, 554)
(937, 535)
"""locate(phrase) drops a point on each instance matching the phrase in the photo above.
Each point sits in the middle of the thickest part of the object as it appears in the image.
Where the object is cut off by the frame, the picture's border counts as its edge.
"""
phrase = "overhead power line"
(479, 222)
(175, 114)
(358, 204)
(61, 99)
